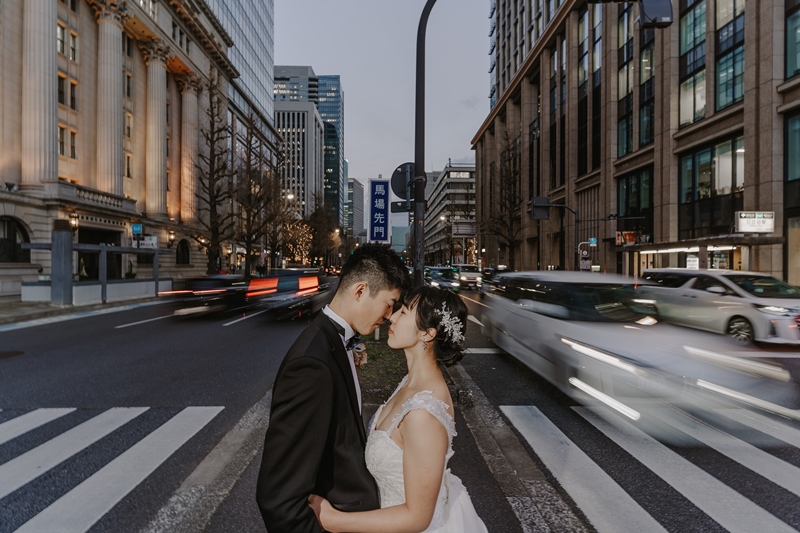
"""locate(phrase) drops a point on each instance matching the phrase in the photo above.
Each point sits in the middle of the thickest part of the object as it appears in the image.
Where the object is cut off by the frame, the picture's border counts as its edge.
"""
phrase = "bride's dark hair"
(433, 305)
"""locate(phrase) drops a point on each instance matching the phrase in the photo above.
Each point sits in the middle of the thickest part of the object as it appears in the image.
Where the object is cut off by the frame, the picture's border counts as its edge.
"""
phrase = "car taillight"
(797, 319)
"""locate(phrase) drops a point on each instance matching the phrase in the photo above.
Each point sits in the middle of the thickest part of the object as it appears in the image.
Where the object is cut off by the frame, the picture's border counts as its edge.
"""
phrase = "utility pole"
(420, 180)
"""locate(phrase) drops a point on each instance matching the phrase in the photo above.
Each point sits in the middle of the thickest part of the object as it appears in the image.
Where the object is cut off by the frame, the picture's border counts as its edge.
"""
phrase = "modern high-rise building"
(354, 208)
(658, 142)
(331, 109)
(450, 230)
(301, 128)
(301, 84)
(102, 113)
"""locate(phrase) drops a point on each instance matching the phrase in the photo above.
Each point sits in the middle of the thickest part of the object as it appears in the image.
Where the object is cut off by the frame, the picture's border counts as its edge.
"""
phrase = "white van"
(469, 275)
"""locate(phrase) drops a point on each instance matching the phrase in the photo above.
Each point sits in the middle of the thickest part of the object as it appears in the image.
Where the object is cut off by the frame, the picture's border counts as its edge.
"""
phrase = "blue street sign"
(136, 229)
(379, 210)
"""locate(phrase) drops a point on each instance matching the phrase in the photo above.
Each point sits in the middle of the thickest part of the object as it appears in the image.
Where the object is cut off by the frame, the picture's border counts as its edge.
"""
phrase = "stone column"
(39, 92)
(110, 16)
(189, 86)
(156, 53)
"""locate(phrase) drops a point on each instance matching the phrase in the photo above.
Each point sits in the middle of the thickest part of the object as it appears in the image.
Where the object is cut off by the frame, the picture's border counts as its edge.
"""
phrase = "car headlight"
(434, 283)
(463, 278)
(772, 309)
(455, 284)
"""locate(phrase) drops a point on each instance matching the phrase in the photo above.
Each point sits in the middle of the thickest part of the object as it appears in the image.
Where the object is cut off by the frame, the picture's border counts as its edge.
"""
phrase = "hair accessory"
(452, 325)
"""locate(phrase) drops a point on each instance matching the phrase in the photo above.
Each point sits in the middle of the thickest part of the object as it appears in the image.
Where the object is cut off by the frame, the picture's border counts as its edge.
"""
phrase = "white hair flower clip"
(452, 326)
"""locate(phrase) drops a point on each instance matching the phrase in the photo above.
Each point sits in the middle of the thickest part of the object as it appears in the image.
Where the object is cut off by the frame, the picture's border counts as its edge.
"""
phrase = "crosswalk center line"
(22, 424)
(30, 465)
(83, 506)
(607, 506)
(780, 472)
(764, 424)
(723, 504)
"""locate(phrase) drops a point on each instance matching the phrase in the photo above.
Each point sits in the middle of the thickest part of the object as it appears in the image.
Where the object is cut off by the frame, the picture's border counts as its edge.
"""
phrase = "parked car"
(444, 277)
(469, 276)
(596, 338)
(748, 306)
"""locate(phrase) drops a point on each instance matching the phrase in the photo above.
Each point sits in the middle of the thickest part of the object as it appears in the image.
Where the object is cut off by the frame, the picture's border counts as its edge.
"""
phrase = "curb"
(193, 505)
(538, 505)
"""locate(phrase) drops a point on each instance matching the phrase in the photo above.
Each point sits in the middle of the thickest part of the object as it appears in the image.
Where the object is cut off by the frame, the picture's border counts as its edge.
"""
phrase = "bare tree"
(297, 240)
(252, 191)
(505, 217)
(214, 194)
(323, 230)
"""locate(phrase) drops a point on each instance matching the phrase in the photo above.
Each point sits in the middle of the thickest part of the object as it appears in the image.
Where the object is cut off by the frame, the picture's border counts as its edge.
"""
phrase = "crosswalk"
(611, 508)
(88, 499)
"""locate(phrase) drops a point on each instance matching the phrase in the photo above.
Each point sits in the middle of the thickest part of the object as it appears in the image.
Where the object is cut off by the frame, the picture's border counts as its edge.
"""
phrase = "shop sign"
(755, 221)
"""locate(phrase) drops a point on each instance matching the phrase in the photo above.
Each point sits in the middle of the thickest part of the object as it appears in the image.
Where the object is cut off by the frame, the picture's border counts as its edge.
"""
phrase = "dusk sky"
(371, 44)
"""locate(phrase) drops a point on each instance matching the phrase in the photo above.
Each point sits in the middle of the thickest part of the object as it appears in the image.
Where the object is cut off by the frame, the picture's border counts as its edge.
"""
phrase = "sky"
(371, 44)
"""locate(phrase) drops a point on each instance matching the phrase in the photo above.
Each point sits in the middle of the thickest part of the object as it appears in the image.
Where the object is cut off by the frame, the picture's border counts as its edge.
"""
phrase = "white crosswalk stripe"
(611, 509)
(82, 506)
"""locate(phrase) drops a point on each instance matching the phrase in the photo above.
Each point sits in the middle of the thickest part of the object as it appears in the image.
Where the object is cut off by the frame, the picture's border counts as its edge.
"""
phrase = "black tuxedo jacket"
(316, 437)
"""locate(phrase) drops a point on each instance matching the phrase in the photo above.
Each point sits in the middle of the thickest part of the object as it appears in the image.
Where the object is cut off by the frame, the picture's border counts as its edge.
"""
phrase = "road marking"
(245, 317)
(482, 351)
(762, 463)
(142, 322)
(28, 466)
(728, 507)
(83, 506)
(472, 318)
(607, 506)
(771, 427)
(73, 316)
(476, 301)
(29, 421)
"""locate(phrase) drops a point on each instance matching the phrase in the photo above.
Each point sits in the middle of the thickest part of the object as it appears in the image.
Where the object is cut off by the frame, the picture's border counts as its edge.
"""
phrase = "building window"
(73, 152)
(61, 33)
(692, 62)
(167, 148)
(127, 44)
(73, 5)
(182, 253)
(128, 161)
(730, 78)
(128, 84)
(12, 235)
(625, 83)
(62, 133)
(149, 6)
(646, 88)
(793, 40)
(73, 95)
(62, 90)
(711, 186)
(635, 200)
(73, 47)
(793, 148)
(128, 124)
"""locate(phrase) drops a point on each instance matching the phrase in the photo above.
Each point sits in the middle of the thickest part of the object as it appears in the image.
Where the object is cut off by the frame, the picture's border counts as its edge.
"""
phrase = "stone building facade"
(652, 139)
(101, 111)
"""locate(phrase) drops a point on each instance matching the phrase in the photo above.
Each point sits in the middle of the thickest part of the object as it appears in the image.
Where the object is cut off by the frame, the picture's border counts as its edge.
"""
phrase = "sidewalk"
(13, 309)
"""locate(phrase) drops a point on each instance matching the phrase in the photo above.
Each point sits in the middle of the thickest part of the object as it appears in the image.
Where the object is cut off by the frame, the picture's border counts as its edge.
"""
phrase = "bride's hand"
(324, 511)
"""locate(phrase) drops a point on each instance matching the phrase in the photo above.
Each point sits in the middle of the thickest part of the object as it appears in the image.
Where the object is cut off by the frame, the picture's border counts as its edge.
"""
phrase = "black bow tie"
(355, 340)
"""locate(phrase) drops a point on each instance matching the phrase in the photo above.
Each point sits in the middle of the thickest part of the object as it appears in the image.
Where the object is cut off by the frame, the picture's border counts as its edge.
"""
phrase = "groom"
(315, 440)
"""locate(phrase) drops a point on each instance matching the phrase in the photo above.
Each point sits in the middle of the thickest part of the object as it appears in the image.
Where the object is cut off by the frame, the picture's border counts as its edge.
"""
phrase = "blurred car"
(297, 291)
(748, 306)
(444, 277)
(596, 338)
(469, 276)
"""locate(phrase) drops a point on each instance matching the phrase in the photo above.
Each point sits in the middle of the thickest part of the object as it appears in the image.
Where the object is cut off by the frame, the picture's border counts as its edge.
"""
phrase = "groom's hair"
(377, 265)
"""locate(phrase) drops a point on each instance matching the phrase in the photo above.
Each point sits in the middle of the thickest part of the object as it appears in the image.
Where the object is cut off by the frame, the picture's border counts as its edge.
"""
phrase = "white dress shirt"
(348, 332)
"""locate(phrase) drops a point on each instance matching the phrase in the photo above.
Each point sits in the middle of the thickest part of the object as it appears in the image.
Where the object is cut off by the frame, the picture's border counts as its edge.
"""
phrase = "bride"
(411, 435)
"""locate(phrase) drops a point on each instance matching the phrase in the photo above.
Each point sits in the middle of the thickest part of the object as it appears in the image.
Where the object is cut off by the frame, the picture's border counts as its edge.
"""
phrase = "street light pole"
(419, 151)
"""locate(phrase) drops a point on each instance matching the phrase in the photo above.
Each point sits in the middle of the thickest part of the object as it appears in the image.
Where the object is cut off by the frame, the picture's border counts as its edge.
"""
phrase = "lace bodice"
(384, 456)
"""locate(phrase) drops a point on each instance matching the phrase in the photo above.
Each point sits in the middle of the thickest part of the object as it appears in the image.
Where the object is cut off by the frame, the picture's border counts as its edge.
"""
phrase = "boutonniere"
(360, 355)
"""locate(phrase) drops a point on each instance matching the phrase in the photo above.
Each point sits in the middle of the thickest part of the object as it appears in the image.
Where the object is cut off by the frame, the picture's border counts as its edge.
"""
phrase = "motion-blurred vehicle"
(444, 277)
(469, 276)
(297, 291)
(597, 339)
(748, 306)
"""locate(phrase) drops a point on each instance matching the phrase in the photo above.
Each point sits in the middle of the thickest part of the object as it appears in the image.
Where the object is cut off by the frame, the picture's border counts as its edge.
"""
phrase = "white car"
(596, 338)
(748, 306)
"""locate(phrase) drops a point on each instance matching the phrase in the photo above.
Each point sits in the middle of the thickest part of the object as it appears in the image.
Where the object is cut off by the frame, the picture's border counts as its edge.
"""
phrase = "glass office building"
(331, 109)
(251, 24)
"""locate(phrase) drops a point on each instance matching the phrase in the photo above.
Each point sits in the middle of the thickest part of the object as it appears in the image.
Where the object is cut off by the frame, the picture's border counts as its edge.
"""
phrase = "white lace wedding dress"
(454, 511)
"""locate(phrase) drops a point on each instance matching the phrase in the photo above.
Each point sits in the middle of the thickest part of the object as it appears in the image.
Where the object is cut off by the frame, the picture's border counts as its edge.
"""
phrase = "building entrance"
(89, 262)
